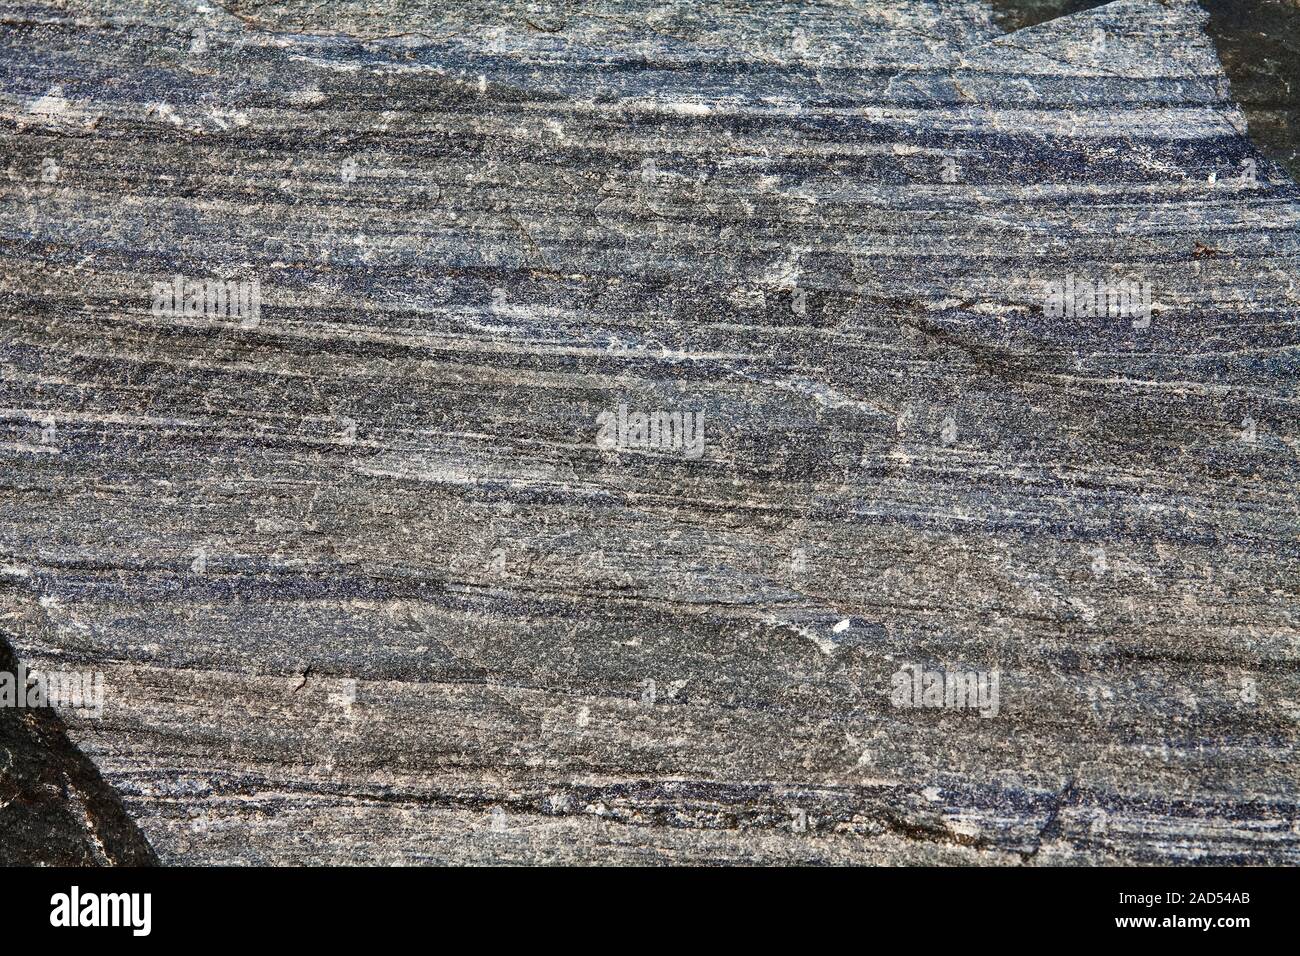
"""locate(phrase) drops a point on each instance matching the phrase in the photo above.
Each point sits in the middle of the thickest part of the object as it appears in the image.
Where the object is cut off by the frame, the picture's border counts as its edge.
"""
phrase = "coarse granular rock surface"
(374, 568)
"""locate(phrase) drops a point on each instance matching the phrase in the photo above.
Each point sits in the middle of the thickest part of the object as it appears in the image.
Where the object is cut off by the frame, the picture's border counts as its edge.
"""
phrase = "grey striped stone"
(363, 584)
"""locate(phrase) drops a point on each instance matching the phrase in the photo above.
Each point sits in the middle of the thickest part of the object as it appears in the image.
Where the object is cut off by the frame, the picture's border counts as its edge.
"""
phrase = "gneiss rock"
(55, 808)
(363, 583)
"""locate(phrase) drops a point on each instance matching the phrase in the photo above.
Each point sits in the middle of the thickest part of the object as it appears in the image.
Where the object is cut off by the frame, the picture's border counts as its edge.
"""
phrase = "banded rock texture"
(366, 589)
(55, 808)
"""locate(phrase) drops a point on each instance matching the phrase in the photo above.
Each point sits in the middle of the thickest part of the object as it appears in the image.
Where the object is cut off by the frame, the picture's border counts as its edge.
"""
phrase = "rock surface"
(1258, 42)
(55, 808)
(366, 587)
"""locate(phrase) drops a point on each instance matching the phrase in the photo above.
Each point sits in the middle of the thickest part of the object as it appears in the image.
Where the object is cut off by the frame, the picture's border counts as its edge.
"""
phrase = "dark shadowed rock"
(55, 808)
